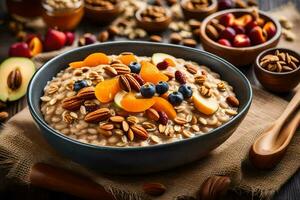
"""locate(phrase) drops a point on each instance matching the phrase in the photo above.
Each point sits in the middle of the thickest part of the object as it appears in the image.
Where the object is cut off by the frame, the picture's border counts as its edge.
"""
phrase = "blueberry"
(148, 90)
(175, 98)
(162, 87)
(135, 67)
(79, 85)
(186, 91)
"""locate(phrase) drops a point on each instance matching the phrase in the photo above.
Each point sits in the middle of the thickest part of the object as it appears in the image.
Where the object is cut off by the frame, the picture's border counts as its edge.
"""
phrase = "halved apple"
(206, 106)
(159, 57)
(24, 68)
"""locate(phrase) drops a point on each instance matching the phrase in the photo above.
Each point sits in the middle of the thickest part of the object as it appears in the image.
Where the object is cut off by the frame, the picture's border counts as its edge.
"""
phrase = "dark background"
(12, 190)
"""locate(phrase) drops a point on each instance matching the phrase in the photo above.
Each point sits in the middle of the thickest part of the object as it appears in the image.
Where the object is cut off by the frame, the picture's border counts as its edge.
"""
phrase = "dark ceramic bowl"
(153, 26)
(137, 160)
(275, 81)
(238, 56)
(198, 14)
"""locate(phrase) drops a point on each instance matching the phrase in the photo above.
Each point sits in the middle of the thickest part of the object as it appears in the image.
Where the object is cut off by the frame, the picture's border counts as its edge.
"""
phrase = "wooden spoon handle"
(294, 103)
(57, 179)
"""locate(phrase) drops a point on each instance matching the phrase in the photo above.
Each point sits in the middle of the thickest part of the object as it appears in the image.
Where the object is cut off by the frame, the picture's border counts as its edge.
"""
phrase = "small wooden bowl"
(238, 56)
(199, 14)
(101, 15)
(153, 26)
(278, 82)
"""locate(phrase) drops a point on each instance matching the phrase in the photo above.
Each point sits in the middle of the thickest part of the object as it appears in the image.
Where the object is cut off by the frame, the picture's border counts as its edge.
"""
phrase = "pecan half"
(191, 68)
(121, 68)
(214, 187)
(14, 79)
(138, 78)
(133, 82)
(124, 83)
(72, 103)
(139, 132)
(110, 70)
(86, 93)
(97, 115)
(154, 189)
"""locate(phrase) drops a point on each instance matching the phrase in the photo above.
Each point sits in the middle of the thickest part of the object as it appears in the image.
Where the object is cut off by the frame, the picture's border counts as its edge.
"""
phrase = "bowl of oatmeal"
(137, 107)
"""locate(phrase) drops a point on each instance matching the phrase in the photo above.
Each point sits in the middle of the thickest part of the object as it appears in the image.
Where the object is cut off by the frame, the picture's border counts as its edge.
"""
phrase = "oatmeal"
(127, 100)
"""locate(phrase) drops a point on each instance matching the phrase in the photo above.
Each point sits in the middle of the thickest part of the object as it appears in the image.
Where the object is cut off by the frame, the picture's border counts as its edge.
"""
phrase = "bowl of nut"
(198, 9)
(137, 107)
(278, 69)
(153, 18)
(102, 11)
(239, 33)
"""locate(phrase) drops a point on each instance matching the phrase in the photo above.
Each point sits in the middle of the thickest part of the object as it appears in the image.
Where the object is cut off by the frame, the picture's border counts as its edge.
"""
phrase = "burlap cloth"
(22, 145)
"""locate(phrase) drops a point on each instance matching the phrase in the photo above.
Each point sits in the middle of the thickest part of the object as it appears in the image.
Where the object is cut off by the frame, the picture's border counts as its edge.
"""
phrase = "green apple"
(25, 68)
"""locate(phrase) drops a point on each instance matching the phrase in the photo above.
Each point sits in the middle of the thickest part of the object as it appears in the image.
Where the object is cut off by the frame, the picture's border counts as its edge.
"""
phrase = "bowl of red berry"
(239, 35)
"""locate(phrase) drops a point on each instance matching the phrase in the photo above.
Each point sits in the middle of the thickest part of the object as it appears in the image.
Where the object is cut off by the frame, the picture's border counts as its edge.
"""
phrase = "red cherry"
(20, 49)
(228, 33)
(224, 42)
(241, 40)
(54, 40)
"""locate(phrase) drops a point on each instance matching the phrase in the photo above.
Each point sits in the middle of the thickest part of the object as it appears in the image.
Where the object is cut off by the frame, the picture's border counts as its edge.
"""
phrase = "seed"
(180, 121)
(161, 128)
(195, 128)
(132, 120)
(177, 128)
(107, 126)
(125, 126)
(117, 119)
(155, 139)
(231, 112)
(130, 135)
(202, 121)
(186, 133)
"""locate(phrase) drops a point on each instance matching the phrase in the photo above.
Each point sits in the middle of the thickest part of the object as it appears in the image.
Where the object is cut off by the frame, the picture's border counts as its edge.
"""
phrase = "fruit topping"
(227, 19)
(162, 87)
(150, 73)
(163, 118)
(180, 77)
(148, 90)
(127, 58)
(130, 103)
(228, 33)
(20, 49)
(15, 76)
(175, 98)
(225, 4)
(87, 39)
(164, 105)
(270, 29)
(106, 90)
(95, 59)
(206, 106)
(241, 40)
(35, 46)
(135, 67)
(70, 38)
(257, 35)
(159, 57)
(186, 91)
(77, 64)
(79, 85)
(243, 20)
(162, 65)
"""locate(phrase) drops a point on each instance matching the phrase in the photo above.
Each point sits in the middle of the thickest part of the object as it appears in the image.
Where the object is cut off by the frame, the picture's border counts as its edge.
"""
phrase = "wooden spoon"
(270, 146)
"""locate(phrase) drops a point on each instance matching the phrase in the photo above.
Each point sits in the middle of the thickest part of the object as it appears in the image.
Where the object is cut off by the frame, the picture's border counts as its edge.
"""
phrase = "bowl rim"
(212, 6)
(276, 73)
(40, 121)
(205, 37)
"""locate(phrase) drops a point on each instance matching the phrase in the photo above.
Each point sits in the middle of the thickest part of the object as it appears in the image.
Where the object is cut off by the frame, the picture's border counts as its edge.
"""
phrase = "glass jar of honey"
(62, 14)
(24, 9)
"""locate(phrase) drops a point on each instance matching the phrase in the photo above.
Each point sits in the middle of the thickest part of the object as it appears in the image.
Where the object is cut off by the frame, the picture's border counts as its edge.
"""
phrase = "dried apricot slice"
(95, 59)
(131, 104)
(170, 62)
(164, 105)
(127, 58)
(106, 90)
(77, 64)
(150, 73)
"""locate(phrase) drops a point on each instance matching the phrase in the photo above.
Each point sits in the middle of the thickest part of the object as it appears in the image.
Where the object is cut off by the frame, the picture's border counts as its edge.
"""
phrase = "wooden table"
(10, 189)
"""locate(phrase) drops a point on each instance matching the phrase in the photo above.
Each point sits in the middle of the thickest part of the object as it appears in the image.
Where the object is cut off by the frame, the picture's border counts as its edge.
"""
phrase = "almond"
(121, 68)
(86, 93)
(110, 70)
(139, 132)
(154, 189)
(152, 114)
(97, 115)
(72, 103)
(130, 135)
(117, 119)
(125, 126)
(107, 126)
(233, 101)
(133, 82)
(124, 83)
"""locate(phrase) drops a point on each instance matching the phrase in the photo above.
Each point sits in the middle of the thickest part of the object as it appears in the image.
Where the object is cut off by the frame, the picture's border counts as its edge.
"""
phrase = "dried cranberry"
(138, 78)
(163, 117)
(180, 77)
(162, 65)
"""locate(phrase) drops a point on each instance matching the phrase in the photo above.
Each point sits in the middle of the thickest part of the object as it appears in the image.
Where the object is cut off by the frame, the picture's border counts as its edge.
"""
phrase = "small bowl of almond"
(278, 69)
(153, 18)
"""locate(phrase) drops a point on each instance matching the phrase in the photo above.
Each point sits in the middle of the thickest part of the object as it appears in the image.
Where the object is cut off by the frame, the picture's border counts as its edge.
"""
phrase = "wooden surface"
(11, 189)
